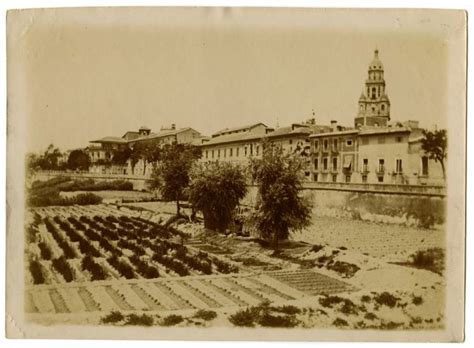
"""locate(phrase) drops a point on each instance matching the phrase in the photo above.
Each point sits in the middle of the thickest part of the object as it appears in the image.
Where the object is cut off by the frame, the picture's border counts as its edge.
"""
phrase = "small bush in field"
(244, 317)
(36, 272)
(287, 309)
(171, 320)
(269, 320)
(387, 299)
(205, 315)
(431, 259)
(338, 322)
(112, 317)
(417, 300)
(139, 320)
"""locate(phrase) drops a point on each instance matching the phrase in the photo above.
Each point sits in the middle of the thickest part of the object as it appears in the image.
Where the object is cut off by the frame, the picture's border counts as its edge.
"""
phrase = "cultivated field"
(111, 264)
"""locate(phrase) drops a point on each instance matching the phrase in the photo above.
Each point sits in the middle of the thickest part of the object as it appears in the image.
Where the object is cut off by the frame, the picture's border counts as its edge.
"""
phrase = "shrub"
(346, 269)
(370, 316)
(338, 322)
(171, 320)
(96, 270)
(139, 320)
(205, 315)
(365, 298)
(36, 271)
(62, 266)
(85, 199)
(243, 318)
(287, 309)
(417, 300)
(112, 317)
(431, 259)
(45, 251)
(387, 299)
(269, 320)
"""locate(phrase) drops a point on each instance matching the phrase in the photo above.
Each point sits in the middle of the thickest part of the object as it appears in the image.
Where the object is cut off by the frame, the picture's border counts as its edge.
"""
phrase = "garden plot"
(310, 282)
(80, 244)
(166, 295)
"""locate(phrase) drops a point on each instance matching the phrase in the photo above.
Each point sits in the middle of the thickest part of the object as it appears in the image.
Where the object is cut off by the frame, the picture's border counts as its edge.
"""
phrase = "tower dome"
(376, 63)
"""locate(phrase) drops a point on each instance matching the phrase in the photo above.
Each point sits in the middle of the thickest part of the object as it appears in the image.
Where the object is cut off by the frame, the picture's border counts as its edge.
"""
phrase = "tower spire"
(374, 105)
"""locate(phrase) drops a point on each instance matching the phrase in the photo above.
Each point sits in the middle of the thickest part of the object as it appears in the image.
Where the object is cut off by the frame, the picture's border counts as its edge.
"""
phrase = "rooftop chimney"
(334, 125)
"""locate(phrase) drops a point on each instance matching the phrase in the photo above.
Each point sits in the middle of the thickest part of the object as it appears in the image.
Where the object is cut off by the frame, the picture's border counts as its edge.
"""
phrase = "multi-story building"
(101, 155)
(375, 151)
(237, 145)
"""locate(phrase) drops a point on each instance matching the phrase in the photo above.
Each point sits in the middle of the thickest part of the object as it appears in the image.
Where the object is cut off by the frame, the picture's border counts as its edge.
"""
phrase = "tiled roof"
(114, 140)
(235, 129)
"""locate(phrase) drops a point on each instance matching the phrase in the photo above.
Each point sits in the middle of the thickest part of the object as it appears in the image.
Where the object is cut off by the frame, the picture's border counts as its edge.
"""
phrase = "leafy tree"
(280, 207)
(434, 144)
(121, 155)
(171, 174)
(50, 158)
(78, 159)
(148, 151)
(216, 189)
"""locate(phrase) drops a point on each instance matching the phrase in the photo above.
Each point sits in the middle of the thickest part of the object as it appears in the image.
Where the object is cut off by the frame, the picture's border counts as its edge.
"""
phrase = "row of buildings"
(373, 150)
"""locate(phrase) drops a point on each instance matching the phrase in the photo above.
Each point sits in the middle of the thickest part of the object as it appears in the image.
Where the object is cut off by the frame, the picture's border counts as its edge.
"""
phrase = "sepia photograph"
(236, 173)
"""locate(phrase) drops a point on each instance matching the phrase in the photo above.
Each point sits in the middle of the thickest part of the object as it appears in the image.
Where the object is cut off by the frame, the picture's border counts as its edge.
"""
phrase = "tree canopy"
(171, 174)
(435, 146)
(78, 159)
(215, 190)
(280, 207)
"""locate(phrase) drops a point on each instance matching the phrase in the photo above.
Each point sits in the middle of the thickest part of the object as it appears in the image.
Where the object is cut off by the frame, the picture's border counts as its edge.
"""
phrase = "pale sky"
(96, 73)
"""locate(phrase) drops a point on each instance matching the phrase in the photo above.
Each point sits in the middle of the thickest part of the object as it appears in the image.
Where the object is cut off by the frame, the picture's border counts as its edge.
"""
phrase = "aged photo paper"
(236, 174)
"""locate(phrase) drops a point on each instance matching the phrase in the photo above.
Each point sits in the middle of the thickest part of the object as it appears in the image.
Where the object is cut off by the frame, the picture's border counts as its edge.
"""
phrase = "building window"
(398, 166)
(364, 179)
(212, 153)
(334, 144)
(291, 141)
(380, 178)
(365, 165)
(237, 152)
(424, 165)
(219, 153)
(315, 177)
(381, 165)
(349, 142)
(334, 178)
(225, 152)
(399, 139)
(207, 153)
(326, 144)
(334, 163)
(348, 178)
(256, 149)
(251, 149)
(316, 164)
(374, 92)
(325, 163)
(245, 150)
(230, 152)
(316, 144)
(383, 107)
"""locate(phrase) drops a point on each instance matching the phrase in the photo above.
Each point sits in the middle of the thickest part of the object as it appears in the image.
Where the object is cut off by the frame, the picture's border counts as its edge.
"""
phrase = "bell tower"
(374, 105)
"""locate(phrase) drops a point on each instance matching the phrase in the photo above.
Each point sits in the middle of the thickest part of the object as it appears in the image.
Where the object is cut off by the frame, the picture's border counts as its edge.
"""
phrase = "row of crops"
(85, 248)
